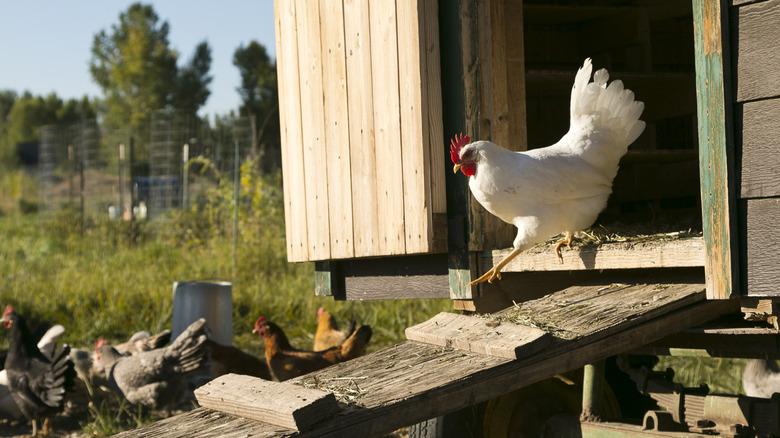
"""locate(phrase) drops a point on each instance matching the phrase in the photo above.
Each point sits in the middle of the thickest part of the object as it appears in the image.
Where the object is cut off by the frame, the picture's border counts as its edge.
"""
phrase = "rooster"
(560, 188)
(285, 361)
(37, 378)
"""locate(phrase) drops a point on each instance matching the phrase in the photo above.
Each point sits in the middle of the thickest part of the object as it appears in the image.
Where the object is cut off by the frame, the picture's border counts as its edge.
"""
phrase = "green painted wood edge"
(716, 154)
(327, 280)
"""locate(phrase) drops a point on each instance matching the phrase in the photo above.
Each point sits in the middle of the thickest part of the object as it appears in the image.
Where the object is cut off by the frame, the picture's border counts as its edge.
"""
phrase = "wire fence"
(99, 172)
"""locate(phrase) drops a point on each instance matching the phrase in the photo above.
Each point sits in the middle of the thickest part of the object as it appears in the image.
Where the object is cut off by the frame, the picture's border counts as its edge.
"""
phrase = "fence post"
(121, 186)
(71, 173)
(185, 157)
(81, 180)
(236, 192)
(133, 194)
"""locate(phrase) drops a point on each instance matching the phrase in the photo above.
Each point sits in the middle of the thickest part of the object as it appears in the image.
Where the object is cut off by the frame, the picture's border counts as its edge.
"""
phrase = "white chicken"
(560, 188)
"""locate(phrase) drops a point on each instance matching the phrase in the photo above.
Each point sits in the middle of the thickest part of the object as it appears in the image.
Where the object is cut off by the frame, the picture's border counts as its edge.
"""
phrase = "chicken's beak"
(456, 168)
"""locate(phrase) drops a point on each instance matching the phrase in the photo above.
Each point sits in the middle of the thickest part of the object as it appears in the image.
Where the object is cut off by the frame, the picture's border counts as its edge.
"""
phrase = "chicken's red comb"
(9, 309)
(456, 144)
(101, 341)
(320, 311)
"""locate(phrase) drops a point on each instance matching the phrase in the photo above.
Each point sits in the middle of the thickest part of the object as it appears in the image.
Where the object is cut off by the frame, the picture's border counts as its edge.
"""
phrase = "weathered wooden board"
(337, 142)
(361, 127)
(421, 276)
(479, 335)
(436, 141)
(411, 382)
(387, 128)
(718, 184)
(290, 127)
(760, 163)
(688, 252)
(278, 403)
(312, 117)
(413, 102)
(758, 50)
(762, 266)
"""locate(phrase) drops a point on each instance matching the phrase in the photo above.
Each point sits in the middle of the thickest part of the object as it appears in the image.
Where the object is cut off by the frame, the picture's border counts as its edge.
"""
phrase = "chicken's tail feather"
(606, 113)
(189, 348)
(59, 377)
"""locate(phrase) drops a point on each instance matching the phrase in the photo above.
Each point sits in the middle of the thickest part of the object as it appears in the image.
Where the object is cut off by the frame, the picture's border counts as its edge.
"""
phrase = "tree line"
(139, 72)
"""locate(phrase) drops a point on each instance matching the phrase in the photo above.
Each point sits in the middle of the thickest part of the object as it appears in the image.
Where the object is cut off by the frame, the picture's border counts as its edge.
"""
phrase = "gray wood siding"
(755, 49)
(762, 217)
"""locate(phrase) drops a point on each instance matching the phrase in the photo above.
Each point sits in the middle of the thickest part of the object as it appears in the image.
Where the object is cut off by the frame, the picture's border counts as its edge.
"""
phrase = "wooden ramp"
(414, 381)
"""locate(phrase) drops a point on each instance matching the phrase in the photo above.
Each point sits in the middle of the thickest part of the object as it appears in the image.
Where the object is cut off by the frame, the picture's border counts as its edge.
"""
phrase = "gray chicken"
(162, 378)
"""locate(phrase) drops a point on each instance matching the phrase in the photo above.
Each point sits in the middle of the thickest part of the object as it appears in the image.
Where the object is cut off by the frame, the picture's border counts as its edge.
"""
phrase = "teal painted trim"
(716, 154)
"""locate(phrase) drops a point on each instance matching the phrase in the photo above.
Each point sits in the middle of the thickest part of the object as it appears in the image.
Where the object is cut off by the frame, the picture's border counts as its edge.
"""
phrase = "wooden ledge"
(676, 253)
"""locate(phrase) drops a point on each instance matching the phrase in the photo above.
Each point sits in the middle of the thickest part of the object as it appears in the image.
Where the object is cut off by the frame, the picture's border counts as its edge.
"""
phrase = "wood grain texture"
(678, 253)
(313, 124)
(760, 161)
(290, 127)
(413, 103)
(277, 403)
(479, 335)
(718, 194)
(438, 147)
(387, 128)
(410, 382)
(762, 270)
(337, 141)
(361, 128)
(758, 50)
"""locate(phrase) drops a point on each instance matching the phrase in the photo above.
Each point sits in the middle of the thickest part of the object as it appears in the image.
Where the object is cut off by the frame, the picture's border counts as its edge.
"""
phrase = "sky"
(45, 45)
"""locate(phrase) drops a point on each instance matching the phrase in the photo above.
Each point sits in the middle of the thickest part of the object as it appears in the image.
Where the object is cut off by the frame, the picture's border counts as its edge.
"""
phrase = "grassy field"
(116, 277)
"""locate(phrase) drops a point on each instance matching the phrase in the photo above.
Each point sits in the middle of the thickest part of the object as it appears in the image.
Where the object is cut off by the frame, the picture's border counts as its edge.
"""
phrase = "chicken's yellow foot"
(567, 239)
(493, 274)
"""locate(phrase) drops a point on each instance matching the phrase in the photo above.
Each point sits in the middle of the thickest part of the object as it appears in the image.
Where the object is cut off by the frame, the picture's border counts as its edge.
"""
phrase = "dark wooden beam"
(716, 146)
(417, 276)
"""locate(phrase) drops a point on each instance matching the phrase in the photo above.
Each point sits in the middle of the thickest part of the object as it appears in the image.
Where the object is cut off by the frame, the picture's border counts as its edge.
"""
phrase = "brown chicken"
(285, 361)
(227, 359)
(328, 334)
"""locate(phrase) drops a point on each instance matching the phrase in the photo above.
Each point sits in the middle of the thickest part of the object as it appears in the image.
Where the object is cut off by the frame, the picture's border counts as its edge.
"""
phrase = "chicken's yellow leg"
(495, 271)
(568, 237)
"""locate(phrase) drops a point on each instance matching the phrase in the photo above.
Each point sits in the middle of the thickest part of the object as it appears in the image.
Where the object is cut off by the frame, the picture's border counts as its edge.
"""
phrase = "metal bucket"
(212, 300)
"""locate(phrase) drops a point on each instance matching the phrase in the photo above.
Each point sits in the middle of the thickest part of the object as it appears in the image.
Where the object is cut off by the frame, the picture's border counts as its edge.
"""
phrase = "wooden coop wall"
(360, 112)
(755, 51)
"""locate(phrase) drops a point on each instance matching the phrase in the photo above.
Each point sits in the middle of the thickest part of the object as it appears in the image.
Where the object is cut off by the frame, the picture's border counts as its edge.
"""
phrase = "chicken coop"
(370, 94)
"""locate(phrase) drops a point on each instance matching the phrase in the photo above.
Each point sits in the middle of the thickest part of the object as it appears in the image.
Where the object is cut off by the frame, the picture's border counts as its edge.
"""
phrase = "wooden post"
(716, 146)
(71, 173)
(120, 175)
(236, 204)
(133, 194)
(453, 50)
(592, 391)
(185, 158)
